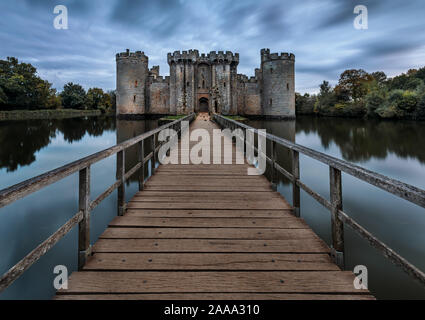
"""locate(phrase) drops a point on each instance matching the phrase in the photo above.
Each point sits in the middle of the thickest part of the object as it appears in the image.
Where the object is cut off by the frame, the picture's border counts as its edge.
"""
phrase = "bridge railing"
(338, 216)
(86, 205)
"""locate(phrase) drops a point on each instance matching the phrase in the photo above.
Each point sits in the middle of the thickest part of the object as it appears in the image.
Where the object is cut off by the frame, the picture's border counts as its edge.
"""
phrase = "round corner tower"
(278, 84)
(132, 76)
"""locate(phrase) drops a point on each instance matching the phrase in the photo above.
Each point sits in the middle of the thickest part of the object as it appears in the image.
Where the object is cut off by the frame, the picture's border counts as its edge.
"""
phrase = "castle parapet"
(140, 55)
(267, 56)
(221, 56)
(177, 56)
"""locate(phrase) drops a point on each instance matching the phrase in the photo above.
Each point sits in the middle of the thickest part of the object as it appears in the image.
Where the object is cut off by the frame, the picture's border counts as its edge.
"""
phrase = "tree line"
(22, 89)
(362, 94)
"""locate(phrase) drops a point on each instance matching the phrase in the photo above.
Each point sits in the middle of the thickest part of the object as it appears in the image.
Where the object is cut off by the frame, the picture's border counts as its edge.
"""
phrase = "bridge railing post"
(273, 156)
(120, 176)
(84, 224)
(153, 161)
(337, 250)
(295, 188)
(142, 162)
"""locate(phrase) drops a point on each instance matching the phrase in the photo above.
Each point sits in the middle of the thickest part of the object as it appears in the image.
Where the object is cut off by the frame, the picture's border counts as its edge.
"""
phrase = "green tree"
(73, 96)
(97, 99)
(374, 100)
(21, 87)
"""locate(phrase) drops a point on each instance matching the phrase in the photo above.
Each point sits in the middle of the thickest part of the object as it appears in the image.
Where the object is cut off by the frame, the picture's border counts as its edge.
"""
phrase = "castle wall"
(252, 98)
(159, 93)
(213, 77)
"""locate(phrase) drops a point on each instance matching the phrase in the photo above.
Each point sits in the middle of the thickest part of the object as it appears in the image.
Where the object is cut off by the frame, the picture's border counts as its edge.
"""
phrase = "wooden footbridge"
(208, 231)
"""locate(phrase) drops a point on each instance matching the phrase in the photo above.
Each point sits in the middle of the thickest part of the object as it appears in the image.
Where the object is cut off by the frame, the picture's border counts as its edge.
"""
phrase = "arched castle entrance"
(203, 105)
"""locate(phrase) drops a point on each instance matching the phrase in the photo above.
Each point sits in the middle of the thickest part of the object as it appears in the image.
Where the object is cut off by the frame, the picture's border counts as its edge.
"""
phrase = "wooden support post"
(84, 225)
(120, 176)
(142, 162)
(153, 161)
(295, 187)
(273, 153)
(337, 250)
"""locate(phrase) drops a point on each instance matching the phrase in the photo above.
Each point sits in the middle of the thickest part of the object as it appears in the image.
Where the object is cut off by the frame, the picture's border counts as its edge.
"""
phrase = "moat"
(31, 147)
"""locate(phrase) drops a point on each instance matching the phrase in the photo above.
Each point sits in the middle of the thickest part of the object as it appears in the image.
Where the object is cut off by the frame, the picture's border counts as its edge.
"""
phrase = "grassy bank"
(47, 114)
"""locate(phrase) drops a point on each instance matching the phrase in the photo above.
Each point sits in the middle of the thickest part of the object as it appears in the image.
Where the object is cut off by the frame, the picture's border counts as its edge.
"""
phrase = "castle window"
(135, 84)
(271, 102)
(271, 70)
(224, 67)
(224, 84)
(287, 86)
(203, 84)
(187, 84)
(134, 98)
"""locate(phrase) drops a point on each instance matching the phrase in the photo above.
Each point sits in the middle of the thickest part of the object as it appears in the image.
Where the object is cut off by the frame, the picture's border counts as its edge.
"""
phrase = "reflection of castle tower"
(206, 82)
(126, 130)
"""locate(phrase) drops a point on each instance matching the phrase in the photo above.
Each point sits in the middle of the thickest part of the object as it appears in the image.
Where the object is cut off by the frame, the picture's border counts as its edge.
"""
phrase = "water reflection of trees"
(20, 140)
(360, 140)
(284, 129)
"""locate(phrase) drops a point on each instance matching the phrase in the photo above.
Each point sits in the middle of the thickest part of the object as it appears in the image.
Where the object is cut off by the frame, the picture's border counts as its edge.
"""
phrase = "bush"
(374, 100)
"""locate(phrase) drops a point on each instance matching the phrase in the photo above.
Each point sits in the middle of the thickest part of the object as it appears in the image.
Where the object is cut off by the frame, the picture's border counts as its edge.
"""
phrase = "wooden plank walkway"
(209, 232)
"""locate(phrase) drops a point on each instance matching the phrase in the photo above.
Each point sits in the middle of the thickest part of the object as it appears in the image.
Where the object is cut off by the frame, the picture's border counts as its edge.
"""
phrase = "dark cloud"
(320, 33)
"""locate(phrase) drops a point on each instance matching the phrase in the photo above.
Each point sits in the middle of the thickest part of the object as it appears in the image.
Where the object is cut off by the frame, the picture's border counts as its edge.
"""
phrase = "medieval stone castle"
(205, 82)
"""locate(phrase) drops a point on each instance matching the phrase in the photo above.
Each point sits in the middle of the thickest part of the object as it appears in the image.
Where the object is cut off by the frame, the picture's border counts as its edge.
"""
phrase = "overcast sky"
(320, 34)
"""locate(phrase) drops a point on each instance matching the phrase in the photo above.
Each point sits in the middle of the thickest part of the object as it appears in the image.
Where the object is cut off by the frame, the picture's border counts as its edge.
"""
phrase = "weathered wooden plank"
(207, 233)
(236, 205)
(196, 188)
(194, 200)
(173, 282)
(215, 195)
(209, 261)
(289, 222)
(216, 245)
(215, 296)
(170, 213)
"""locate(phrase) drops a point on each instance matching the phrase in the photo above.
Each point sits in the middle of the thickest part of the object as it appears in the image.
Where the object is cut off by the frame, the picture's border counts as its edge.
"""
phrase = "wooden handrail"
(82, 217)
(338, 217)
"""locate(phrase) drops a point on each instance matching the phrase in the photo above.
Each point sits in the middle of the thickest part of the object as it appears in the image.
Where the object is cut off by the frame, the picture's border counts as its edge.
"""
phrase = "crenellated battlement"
(267, 56)
(194, 57)
(131, 55)
(221, 56)
(180, 56)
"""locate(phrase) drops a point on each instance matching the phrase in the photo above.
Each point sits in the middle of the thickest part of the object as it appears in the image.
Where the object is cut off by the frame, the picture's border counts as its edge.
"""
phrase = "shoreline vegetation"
(359, 94)
(49, 114)
(24, 95)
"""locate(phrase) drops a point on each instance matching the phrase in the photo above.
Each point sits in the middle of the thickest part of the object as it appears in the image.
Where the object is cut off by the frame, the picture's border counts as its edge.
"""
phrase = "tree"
(351, 84)
(97, 99)
(374, 100)
(379, 76)
(325, 88)
(73, 96)
(21, 88)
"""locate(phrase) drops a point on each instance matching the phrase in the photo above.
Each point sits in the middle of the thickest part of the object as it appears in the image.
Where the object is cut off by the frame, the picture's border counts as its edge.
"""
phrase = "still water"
(395, 149)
